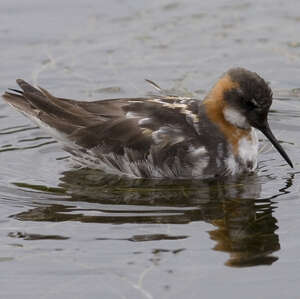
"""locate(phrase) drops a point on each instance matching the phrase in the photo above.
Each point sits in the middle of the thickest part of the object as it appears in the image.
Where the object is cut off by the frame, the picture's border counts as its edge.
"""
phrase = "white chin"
(234, 117)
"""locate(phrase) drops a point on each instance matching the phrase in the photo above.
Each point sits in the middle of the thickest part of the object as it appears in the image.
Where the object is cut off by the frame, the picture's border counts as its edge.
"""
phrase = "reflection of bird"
(247, 232)
(243, 223)
(160, 136)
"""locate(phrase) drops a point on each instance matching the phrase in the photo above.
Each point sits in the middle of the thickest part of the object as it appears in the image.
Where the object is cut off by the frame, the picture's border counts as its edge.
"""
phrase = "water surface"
(78, 233)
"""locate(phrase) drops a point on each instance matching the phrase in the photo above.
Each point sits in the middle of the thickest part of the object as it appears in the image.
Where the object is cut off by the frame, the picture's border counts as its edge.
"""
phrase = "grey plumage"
(142, 137)
(160, 136)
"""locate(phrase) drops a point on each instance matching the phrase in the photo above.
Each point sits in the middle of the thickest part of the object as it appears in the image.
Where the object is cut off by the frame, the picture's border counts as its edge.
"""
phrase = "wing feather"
(160, 129)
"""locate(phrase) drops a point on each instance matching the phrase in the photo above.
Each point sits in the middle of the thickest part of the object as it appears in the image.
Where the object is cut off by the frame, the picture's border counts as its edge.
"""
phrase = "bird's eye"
(252, 104)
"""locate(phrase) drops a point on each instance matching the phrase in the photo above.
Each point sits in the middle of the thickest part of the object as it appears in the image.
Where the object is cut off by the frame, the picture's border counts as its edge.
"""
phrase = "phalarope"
(160, 136)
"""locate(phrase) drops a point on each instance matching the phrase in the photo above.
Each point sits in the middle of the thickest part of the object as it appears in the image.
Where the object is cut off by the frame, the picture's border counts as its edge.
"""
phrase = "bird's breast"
(248, 150)
(244, 157)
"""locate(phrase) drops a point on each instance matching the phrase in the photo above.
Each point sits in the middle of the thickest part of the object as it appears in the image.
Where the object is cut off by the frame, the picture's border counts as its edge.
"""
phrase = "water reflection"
(247, 232)
(244, 225)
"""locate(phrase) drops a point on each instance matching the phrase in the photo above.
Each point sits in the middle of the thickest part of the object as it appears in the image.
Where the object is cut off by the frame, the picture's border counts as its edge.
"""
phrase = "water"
(77, 233)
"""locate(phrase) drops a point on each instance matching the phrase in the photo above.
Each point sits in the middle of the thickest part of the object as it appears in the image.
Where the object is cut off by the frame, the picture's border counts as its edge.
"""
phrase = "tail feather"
(20, 103)
(33, 101)
(41, 107)
(16, 90)
(60, 117)
(41, 100)
(27, 88)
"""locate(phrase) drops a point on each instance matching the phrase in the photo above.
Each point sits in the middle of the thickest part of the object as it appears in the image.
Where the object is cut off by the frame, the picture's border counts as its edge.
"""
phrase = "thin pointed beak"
(268, 133)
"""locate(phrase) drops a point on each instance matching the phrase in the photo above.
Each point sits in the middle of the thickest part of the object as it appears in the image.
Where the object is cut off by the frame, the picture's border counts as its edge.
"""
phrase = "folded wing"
(137, 130)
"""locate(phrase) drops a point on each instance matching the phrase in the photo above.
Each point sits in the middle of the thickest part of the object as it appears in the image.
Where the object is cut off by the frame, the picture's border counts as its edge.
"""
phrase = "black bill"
(268, 133)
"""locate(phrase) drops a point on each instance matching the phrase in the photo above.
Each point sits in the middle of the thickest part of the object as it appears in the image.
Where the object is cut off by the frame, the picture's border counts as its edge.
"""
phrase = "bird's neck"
(230, 121)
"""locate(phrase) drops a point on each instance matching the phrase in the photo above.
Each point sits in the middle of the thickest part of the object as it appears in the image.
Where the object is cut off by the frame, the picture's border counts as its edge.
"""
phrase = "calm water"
(77, 233)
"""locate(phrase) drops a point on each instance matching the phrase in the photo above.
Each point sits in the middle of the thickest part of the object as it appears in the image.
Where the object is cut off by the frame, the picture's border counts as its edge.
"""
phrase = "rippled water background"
(77, 233)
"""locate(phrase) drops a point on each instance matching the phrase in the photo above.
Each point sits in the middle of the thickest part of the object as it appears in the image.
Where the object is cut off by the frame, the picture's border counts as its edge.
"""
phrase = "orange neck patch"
(215, 104)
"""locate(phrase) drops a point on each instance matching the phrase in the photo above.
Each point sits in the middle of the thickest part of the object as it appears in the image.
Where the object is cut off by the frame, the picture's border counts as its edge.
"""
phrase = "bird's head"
(246, 99)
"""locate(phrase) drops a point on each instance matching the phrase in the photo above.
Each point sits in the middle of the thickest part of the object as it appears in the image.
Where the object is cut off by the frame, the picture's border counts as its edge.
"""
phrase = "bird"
(160, 136)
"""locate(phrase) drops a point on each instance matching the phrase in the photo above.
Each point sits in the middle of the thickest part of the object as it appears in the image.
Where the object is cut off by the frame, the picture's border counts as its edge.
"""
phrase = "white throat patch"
(235, 118)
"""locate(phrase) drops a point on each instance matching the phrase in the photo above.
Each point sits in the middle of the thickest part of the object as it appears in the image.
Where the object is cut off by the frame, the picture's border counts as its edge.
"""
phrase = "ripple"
(17, 129)
(243, 223)
(31, 237)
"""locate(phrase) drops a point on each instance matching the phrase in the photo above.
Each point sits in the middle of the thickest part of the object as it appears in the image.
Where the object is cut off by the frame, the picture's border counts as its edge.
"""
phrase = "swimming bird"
(161, 136)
